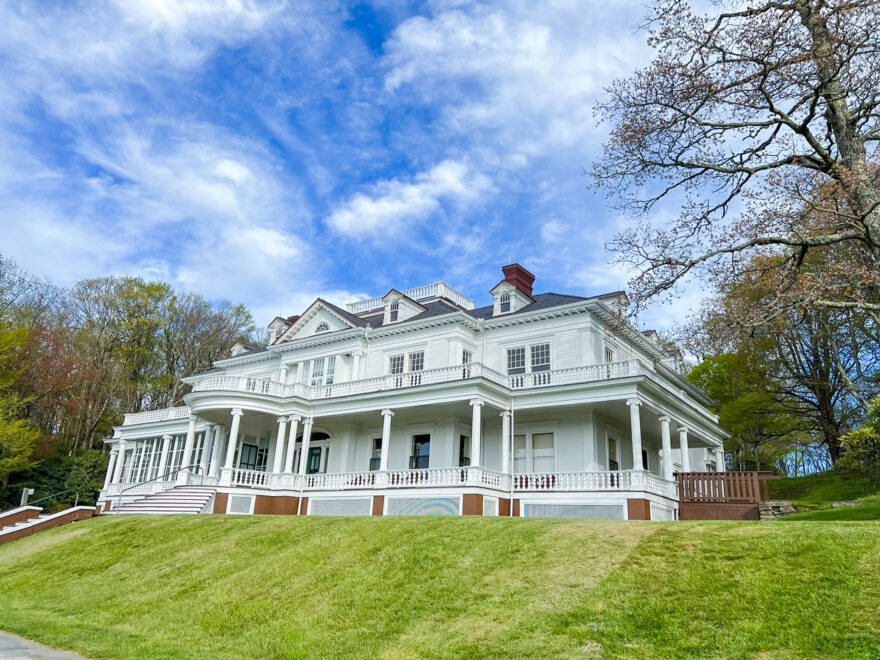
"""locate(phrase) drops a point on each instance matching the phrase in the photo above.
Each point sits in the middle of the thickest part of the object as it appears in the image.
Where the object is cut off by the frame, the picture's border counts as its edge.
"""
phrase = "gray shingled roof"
(542, 301)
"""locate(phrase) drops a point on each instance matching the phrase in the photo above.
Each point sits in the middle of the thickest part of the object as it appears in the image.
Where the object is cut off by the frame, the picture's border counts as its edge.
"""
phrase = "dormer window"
(394, 311)
(504, 302)
(322, 327)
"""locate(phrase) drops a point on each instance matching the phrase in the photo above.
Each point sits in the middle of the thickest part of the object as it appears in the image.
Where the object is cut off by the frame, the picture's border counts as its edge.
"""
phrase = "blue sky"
(273, 152)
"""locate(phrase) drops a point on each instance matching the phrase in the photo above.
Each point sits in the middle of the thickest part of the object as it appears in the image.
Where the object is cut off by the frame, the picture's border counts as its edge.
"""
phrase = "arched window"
(395, 310)
(504, 301)
(322, 327)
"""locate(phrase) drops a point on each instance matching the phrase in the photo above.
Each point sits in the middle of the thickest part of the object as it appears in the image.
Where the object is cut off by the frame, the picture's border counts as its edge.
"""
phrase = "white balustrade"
(146, 488)
(573, 481)
(436, 290)
(427, 477)
(249, 477)
(179, 412)
(340, 480)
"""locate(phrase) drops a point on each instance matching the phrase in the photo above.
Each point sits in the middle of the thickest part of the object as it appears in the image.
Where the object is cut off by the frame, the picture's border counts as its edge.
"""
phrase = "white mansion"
(419, 403)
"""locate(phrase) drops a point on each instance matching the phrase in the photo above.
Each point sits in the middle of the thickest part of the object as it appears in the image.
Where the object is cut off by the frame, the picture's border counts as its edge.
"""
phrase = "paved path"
(13, 647)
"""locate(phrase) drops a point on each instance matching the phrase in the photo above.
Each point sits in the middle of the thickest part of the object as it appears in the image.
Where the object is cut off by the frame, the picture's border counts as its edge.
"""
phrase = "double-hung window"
(394, 311)
(516, 360)
(395, 364)
(538, 362)
(504, 302)
(417, 361)
(540, 357)
(323, 370)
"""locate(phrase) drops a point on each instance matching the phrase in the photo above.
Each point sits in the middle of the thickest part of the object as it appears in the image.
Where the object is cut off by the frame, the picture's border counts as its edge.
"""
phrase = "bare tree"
(761, 121)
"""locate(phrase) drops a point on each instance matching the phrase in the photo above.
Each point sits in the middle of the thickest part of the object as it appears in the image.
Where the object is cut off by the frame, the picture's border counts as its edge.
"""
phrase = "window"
(644, 459)
(417, 361)
(519, 454)
(504, 302)
(318, 371)
(541, 357)
(542, 452)
(376, 457)
(464, 445)
(395, 364)
(394, 311)
(612, 454)
(421, 452)
(322, 327)
(467, 356)
(516, 360)
(609, 354)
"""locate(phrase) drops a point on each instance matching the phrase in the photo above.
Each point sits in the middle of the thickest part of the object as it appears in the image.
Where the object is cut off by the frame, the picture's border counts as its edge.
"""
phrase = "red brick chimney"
(519, 277)
(292, 319)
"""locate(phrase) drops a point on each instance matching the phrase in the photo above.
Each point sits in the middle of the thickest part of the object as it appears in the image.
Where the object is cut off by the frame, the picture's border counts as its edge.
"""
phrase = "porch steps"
(24, 523)
(179, 499)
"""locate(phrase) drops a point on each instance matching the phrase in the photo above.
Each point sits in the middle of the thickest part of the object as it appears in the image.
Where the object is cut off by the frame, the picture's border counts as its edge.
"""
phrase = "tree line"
(74, 360)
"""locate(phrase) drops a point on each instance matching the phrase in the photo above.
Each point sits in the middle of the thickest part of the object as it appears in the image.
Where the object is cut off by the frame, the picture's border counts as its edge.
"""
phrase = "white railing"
(285, 481)
(538, 379)
(249, 477)
(660, 486)
(146, 488)
(179, 412)
(340, 480)
(427, 477)
(585, 374)
(436, 290)
(561, 481)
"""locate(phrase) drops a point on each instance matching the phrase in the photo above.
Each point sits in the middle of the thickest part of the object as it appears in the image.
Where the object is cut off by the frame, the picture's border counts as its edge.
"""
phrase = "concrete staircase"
(23, 523)
(180, 499)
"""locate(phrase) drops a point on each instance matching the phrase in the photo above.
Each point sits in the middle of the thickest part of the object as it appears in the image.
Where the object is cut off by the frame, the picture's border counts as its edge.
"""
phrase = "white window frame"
(530, 430)
(323, 326)
(504, 300)
(527, 356)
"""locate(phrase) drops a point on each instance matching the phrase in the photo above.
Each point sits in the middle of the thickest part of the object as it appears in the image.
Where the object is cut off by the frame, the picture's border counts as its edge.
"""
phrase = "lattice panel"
(341, 506)
(240, 504)
(536, 510)
(423, 506)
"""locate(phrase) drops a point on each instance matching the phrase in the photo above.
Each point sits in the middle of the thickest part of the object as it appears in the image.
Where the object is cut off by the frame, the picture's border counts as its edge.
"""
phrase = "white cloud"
(394, 202)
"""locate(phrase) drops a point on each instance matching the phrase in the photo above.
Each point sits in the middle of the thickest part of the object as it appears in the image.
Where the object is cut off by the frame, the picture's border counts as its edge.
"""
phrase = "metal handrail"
(49, 497)
(164, 477)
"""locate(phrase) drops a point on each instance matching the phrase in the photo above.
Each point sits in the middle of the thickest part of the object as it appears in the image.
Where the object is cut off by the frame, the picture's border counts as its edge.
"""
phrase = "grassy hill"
(814, 495)
(283, 587)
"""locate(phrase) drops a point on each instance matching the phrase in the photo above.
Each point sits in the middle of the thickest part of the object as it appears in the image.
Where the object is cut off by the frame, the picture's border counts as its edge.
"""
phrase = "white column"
(356, 367)
(386, 438)
(163, 457)
(291, 445)
(635, 424)
(233, 438)
(667, 447)
(111, 466)
(120, 462)
(190, 442)
(216, 448)
(684, 449)
(476, 432)
(505, 442)
(207, 447)
(304, 452)
(279, 444)
(719, 459)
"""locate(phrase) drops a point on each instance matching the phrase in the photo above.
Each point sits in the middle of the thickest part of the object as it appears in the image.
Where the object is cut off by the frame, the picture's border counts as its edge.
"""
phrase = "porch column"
(386, 438)
(291, 445)
(111, 466)
(304, 452)
(476, 432)
(684, 449)
(216, 447)
(233, 438)
(279, 444)
(667, 447)
(505, 442)
(210, 435)
(120, 461)
(163, 457)
(719, 459)
(190, 442)
(635, 423)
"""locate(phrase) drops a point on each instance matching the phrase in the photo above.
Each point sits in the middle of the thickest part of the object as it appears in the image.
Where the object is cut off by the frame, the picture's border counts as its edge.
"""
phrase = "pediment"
(320, 318)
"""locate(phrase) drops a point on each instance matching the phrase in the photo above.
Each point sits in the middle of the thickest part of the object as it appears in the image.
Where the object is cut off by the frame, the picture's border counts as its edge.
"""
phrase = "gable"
(320, 318)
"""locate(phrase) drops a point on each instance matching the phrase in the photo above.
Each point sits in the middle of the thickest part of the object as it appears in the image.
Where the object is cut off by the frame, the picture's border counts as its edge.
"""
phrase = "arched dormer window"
(322, 327)
(504, 302)
(394, 311)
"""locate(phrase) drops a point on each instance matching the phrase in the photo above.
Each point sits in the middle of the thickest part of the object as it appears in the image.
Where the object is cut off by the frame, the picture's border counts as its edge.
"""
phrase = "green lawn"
(813, 496)
(284, 587)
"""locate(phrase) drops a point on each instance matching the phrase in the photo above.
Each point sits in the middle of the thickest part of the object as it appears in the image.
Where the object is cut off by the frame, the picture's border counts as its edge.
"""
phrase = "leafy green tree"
(863, 447)
(17, 437)
(87, 473)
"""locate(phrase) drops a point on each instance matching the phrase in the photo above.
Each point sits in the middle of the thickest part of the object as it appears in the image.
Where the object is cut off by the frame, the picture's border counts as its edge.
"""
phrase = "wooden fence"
(722, 495)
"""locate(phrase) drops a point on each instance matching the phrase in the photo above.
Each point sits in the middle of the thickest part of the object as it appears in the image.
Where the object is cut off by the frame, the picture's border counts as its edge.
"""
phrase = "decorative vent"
(490, 506)
(241, 504)
(661, 512)
(341, 506)
(535, 510)
(422, 506)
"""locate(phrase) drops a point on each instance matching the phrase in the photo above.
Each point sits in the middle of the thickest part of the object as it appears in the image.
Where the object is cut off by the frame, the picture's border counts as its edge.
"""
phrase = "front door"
(313, 466)
(248, 457)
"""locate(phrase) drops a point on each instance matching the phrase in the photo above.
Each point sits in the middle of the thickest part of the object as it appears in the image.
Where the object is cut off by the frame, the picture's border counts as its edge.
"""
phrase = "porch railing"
(715, 487)
(242, 477)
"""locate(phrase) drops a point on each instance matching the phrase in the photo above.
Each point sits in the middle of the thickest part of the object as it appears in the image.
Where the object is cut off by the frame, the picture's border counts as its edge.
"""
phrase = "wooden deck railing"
(714, 487)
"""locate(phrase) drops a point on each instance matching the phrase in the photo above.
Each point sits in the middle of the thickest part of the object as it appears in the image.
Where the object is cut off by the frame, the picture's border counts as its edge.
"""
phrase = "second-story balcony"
(473, 370)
